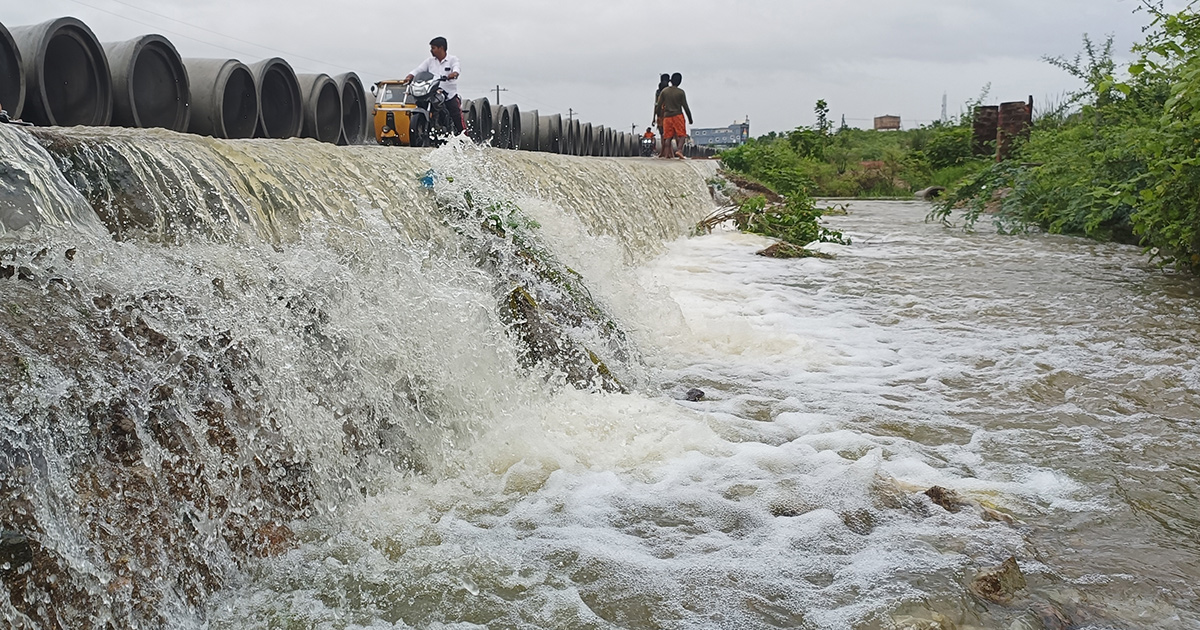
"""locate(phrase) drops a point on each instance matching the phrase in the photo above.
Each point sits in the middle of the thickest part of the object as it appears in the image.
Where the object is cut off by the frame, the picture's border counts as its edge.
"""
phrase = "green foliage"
(848, 162)
(1124, 165)
(796, 221)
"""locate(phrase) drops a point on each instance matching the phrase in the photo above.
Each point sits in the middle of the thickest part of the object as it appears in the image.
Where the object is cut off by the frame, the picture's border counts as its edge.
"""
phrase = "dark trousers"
(454, 108)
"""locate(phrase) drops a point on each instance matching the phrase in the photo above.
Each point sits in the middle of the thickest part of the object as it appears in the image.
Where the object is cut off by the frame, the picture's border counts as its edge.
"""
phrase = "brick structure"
(987, 118)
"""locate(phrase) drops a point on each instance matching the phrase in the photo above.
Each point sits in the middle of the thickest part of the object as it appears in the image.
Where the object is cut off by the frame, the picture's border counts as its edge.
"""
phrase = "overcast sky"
(769, 60)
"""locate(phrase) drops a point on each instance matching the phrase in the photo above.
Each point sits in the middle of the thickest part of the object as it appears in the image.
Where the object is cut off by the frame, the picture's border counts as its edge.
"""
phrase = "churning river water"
(1051, 378)
(285, 343)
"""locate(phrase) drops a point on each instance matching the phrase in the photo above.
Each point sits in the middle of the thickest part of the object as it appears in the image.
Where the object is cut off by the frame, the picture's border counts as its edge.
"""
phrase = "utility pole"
(570, 114)
(498, 91)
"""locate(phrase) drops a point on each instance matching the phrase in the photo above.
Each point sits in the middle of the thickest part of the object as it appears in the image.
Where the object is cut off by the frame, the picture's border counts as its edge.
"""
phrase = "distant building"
(730, 136)
(887, 123)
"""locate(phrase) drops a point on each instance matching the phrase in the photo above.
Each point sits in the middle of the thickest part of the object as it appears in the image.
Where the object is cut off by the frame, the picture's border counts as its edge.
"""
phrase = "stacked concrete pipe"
(321, 105)
(224, 102)
(514, 126)
(530, 128)
(280, 103)
(149, 84)
(354, 108)
(67, 79)
(567, 145)
(597, 144)
(550, 133)
(12, 75)
(502, 128)
(577, 133)
(587, 146)
(485, 125)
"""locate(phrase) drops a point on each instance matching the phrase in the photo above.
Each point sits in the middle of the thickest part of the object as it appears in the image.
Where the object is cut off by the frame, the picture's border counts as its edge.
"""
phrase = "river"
(275, 384)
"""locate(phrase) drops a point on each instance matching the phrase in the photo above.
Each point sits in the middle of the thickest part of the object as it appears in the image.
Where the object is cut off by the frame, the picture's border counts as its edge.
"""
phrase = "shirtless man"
(671, 106)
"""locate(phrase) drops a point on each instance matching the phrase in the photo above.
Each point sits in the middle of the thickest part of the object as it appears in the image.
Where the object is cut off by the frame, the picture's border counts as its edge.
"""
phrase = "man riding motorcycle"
(439, 64)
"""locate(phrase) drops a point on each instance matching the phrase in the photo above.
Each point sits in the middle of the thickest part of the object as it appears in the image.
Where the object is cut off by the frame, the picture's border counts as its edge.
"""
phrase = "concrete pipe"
(224, 98)
(530, 131)
(577, 134)
(502, 128)
(280, 103)
(322, 107)
(481, 115)
(567, 146)
(550, 133)
(587, 143)
(597, 145)
(149, 84)
(12, 75)
(470, 118)
(354, 108)
(514, 126)
(67, 80)
(610, 143)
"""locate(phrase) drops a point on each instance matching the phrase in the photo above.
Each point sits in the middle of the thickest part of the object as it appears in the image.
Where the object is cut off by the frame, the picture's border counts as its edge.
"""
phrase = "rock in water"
(15, 550)
(694, 395)
(999, 584)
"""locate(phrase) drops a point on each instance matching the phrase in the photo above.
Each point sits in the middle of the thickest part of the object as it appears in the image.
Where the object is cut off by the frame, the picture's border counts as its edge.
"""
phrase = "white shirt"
(441, 69)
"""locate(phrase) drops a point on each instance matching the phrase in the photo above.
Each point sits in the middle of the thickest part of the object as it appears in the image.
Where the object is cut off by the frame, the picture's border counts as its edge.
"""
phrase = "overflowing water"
(278, 385)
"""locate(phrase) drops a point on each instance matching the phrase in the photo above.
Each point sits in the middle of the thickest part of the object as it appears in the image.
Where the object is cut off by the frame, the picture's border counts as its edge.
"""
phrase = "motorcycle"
(430, 123)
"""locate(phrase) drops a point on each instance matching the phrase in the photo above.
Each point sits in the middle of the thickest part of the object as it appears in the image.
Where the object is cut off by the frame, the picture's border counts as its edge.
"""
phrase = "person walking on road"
(670, 108)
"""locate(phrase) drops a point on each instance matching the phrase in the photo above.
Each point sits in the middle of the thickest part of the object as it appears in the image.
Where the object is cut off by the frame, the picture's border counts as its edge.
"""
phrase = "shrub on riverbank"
(1124, 165)
(821, 162)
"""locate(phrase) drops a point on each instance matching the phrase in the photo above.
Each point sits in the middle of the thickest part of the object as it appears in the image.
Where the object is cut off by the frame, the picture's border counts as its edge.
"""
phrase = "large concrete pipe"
(149, 84)
(224, 98)
(67, 80)
(586, 146)
(577, 134)
(514, 126)
(567, 146)
(280, 103)
(597, 147)
(12, 75)
(479, 120)
(530, 128)
(502, 128)
(550, 133)
(322, 107)
(354, 108)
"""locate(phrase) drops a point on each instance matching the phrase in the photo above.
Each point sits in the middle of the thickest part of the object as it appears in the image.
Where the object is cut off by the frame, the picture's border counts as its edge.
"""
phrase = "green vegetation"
(1120, 160)
(819, 161)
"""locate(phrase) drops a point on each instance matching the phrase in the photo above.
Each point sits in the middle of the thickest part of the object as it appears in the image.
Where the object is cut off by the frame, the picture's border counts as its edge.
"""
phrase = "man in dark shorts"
(671, 106)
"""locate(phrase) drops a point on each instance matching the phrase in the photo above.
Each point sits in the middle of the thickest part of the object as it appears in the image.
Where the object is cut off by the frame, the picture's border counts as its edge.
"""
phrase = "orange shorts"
(675, 127)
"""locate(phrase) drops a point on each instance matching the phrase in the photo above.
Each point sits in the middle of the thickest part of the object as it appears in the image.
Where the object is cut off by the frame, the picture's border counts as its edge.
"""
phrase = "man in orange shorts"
(671, 106)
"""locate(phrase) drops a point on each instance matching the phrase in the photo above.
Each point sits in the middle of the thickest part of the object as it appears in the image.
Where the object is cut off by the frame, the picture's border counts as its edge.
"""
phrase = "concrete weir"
(321, 106)
(149, 84)
(67, 80)
(224, 98)
(280, 104)
(12, 75)
(354, 108)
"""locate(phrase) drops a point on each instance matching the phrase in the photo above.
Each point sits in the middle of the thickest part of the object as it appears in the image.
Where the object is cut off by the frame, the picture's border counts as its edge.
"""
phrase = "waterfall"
(205, 342)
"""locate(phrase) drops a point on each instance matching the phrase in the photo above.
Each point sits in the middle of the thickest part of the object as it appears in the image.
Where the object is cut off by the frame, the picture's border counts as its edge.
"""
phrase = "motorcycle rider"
(439, 64)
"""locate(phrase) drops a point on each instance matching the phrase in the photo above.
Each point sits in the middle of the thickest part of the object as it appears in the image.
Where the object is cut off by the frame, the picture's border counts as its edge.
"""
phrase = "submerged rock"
(999, 584)
(787, 250)
(15, 550)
